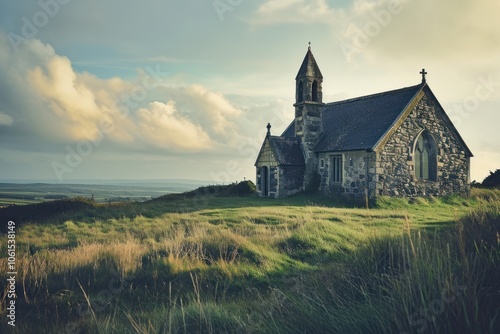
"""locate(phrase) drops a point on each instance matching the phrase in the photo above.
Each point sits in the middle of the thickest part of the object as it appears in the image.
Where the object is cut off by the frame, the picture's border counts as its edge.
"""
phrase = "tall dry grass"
(402, 266)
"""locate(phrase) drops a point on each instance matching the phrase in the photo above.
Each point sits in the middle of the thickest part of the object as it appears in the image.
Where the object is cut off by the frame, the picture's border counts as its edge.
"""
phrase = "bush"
(492, 180)
(244, 188)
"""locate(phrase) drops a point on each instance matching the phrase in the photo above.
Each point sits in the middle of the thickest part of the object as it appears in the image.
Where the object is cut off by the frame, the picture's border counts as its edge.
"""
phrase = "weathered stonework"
(308, 106)
(308, 129)
(395, 167)
(291, 179)
(395, 143)
(358, 175)
(274, 180)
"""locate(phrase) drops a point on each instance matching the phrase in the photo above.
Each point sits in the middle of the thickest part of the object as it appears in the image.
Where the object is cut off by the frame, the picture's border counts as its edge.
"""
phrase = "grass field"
(211, 264)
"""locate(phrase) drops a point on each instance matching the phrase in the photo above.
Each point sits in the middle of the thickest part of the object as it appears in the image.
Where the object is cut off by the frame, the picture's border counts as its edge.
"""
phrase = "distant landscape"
(36, 191)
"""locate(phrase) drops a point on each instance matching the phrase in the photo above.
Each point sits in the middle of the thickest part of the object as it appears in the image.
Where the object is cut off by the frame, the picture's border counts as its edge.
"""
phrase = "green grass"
(213, 264)
(9, 201)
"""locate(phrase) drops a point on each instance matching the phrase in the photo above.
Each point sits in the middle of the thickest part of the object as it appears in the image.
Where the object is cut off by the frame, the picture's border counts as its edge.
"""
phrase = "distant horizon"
(108, 181)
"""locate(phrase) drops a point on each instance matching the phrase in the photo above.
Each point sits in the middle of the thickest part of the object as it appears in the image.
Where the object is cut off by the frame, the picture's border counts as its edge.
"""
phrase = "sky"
(152, 89)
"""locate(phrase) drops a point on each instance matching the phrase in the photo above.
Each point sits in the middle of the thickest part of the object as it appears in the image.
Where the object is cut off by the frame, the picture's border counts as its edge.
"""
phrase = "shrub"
(492, 180)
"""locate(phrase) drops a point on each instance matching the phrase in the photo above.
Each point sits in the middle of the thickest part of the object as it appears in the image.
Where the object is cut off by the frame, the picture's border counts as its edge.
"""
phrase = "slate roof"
(309, 67)
(288, 151)
(290, 131)
(359, 123)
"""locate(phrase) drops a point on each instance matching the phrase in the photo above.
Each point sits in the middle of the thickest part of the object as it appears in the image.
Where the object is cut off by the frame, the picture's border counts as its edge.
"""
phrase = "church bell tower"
(308, 106)
(309, 81)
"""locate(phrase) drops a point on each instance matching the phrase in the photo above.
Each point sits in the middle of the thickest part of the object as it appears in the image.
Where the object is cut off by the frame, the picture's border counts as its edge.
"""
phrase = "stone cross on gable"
(423, 72)
(268, 129)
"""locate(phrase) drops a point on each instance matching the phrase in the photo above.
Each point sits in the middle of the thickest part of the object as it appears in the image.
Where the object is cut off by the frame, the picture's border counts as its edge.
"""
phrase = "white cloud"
(213, 109)
(176, 119)
(68, 97)
(5, 119)
(163, 126)
(295, 11)
(449, 32)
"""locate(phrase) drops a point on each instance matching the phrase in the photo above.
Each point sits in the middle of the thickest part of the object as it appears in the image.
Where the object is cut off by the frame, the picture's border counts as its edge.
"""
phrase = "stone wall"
(391, 172)
(308, 129)
(395, 165)
(358, 174)
(291, 179)
(273, 181)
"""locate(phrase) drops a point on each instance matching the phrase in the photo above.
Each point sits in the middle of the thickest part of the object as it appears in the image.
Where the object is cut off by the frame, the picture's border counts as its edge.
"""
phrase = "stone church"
(395, 143)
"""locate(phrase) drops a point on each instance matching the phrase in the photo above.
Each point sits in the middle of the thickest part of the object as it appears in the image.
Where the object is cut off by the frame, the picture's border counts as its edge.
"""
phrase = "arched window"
(300, 93)
(315, 91)
(425, 154)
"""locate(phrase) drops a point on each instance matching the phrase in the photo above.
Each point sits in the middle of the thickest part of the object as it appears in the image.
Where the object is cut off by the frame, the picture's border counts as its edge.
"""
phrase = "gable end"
(398, 122)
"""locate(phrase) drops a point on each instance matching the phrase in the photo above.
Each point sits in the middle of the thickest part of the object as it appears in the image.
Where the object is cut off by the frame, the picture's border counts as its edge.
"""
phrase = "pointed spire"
(309, 67)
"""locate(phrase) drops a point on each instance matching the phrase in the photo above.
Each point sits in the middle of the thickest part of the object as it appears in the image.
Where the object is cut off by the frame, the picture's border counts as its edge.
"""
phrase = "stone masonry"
(396, 143)
(395, 164)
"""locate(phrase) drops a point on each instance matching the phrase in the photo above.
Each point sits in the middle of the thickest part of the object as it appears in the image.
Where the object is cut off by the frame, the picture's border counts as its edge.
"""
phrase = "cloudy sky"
(184, 89)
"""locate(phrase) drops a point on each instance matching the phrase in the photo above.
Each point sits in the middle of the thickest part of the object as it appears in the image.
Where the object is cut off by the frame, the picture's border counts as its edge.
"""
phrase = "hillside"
(58, 211)
(212, 261)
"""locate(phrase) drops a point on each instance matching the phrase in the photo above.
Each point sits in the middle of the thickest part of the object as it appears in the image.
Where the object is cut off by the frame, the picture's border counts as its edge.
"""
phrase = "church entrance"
(264, 181)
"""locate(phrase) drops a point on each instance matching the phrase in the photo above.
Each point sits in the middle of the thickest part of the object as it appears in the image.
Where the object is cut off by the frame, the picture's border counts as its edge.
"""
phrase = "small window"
(300, 92)
(322, 163)
(336, 169)
(315, 91)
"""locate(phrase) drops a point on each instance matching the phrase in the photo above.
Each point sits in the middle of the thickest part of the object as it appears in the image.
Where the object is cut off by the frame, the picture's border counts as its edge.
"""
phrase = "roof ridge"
(375, 95)
(284, 138)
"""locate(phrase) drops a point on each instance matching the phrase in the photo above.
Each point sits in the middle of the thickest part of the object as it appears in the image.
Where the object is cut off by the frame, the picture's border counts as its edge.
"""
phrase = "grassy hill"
(218, 260)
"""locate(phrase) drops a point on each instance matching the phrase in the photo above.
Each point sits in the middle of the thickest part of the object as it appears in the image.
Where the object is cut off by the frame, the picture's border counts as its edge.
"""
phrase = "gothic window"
(336, 169)
(315, 91)
(300, 93)
(425, 157)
